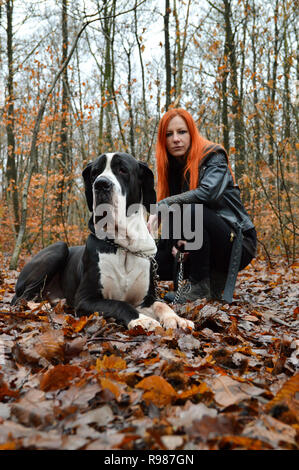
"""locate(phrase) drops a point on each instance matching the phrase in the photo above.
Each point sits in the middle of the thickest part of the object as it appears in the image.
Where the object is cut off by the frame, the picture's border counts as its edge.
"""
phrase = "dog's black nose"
(103, 184)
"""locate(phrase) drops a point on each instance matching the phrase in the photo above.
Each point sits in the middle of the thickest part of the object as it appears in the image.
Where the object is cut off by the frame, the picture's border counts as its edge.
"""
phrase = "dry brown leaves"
(233, 383)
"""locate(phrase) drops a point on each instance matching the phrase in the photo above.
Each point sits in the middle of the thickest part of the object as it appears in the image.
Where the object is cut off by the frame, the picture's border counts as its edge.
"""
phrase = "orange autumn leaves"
(287, 395)
(48, 347)
(156, 389)
(217, 387)
(59, 377)
(110, 363)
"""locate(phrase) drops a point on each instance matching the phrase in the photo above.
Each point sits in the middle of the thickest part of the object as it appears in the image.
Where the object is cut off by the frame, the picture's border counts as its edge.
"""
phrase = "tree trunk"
(107, 84)
(144, 101)
(65, 90)
(286, 74)
(295, 113)
(64, 140)
(273, 89)
(236, 106)
(257, 127)
(11, 171)
(167, 56)
(113, 93)
(225, 125)
(131, 116)
(181, 47)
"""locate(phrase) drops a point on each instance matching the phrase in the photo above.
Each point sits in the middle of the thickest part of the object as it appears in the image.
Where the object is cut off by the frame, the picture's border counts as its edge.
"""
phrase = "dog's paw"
(169, 319)
(184, 323)
(147, 323)
(172, 320)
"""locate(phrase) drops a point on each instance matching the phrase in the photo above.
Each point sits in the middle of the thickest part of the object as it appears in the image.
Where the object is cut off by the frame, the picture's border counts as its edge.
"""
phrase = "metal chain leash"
(180, 278)
(155, 276)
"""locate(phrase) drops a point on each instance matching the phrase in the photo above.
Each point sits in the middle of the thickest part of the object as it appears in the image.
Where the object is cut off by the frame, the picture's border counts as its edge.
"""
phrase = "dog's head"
(114, 176)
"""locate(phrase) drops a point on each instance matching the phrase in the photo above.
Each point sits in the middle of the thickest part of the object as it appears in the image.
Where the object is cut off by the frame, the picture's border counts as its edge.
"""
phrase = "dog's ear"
(88, 187)
(148, 185)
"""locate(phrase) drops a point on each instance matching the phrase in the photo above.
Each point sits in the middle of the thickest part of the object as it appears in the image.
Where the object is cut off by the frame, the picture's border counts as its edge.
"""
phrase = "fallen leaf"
(240, 442)
(194, 390)
(107, 383)
(270, 430)
(157, 390)
(183, 417)
(188, 342)
(77, 325)
(289, 390)
(33, 409)
(73, 348)
(9, 445)
(99, 416)
(78, 396)
(59, 376)
(24, 350)
(50, 345)
(172, 442)
(228, 391)
(110, 362)
(5, 391)
(209, 427)
(143, 350)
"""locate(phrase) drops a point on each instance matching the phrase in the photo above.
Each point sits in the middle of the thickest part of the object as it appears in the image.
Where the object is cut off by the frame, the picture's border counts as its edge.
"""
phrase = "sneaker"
(194, 290)
(169, 297)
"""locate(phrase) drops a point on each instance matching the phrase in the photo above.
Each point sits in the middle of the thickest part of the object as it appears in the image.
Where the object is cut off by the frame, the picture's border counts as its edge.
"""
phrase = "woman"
(192, 170)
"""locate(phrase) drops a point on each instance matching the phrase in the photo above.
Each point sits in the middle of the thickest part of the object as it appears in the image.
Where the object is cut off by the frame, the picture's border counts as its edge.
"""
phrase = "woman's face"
(178, 138)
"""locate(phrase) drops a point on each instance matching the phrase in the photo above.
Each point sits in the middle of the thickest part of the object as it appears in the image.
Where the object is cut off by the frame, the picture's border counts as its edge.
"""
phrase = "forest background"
(84, 77)
(78, 78)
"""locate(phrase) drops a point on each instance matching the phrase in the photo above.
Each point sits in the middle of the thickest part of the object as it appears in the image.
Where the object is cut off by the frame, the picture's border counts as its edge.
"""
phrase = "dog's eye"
(123, 171)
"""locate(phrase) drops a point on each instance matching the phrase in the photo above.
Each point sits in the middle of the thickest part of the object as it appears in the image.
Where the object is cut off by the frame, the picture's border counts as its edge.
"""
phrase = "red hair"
(199, 148)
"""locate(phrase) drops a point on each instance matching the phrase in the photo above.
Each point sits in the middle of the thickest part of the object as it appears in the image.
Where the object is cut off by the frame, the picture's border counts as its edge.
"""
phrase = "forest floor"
(85, 383)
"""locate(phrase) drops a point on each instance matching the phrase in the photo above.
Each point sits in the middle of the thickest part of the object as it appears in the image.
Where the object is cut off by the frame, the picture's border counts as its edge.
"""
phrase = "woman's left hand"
(152, 223)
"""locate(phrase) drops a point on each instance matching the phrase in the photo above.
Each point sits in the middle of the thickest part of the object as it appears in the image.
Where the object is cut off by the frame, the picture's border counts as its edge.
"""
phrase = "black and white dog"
(113, 273)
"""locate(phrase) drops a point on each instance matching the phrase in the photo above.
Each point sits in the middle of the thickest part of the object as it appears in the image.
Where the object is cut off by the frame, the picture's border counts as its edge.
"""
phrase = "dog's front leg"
(123, 312)
(166, 316)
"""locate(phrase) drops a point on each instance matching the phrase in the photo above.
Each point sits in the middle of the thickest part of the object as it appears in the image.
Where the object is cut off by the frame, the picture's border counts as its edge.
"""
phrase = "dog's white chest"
(124, 276)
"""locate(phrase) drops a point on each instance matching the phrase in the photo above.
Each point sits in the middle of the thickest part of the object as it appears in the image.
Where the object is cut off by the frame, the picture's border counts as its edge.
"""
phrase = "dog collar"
(140, 254)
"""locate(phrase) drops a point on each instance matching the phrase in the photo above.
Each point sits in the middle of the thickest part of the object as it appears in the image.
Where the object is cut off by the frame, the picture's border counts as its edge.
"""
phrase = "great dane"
(113, 274)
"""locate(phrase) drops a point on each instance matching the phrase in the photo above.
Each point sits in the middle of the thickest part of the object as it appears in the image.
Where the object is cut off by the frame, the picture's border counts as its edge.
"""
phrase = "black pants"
(213, 256)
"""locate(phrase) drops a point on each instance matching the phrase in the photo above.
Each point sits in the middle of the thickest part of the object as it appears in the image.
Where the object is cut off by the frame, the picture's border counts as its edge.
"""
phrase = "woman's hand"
(175, 250)
(153, 223)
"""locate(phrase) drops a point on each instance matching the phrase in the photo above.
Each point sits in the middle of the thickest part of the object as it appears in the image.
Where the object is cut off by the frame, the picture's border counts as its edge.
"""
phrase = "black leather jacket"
(217, 190)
